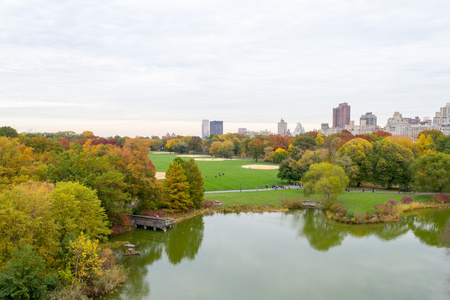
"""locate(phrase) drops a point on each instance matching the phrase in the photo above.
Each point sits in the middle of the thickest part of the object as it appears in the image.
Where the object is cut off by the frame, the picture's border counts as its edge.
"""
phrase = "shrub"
(107, 282)
(441, 198)
(359, 219)
(207, 204)
(381, 209)
(293, 203)
(368, 215)
(406, 200)
(391, 202)
(336, 207)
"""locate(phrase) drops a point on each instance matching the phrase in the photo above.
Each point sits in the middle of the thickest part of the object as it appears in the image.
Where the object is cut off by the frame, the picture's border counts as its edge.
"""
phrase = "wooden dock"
(152, 222)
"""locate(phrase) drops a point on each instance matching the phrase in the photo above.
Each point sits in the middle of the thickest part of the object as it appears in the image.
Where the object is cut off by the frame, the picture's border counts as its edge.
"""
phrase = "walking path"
(288, 187)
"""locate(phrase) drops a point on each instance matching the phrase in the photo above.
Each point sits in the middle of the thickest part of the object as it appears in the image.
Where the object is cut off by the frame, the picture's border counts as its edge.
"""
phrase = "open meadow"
(234, 175)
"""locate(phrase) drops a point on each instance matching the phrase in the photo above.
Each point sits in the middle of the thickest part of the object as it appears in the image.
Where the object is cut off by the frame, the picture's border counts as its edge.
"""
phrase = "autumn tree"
(256, 148)
(357, 150)
(279, 155)
(305, 142)
(431, 172)
(325, 178)
(194, 178)
(176, 188)
(442, 144)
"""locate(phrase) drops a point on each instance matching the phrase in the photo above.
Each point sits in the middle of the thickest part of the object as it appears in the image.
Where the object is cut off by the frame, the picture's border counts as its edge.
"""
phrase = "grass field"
(235, 176)
(354, 202)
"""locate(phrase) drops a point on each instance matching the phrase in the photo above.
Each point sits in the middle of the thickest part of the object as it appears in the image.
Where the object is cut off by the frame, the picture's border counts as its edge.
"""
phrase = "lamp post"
(241, 187)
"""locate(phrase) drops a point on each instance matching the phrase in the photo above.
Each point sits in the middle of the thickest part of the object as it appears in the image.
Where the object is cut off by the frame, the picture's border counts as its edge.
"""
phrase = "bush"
(441, 198)
(368, 215)
(207, 204)
(406, 200)
(359, 219)
(293, 203)
(381, 209)
(391, 202)
(336, 207)
(107, 282)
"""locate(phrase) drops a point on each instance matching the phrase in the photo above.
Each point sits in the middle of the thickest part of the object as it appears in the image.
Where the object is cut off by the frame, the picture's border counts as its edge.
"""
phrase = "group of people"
(220, 175)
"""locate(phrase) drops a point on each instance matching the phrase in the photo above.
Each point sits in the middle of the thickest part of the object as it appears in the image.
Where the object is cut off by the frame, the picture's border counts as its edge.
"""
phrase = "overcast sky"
(141, 68)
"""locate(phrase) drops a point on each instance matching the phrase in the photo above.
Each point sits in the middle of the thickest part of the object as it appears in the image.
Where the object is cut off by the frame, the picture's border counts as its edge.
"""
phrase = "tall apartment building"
(205, 129)
(299, 129)
(369, 119)
(341, 115)
(216, 127)
(443, 115)
(282, 128)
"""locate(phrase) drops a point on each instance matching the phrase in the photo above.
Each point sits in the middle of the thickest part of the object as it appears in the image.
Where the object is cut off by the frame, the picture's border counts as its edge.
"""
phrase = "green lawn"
(235, 176)
(354, 202)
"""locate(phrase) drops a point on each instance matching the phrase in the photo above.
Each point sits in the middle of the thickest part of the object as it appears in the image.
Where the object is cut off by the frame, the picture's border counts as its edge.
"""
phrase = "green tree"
(305, 141)
(289, 171)
(388, 164)
(8, 132)
(431, 172)
(325, 178)
(443, 144)
(23, 277)
(176, 189)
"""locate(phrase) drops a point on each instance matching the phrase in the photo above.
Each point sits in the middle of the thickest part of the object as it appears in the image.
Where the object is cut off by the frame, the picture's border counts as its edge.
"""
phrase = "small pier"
(152, 222)
(311, 204)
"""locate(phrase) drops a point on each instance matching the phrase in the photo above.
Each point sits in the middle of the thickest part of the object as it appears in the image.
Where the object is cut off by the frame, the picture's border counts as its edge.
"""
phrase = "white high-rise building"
(299, 129)
(205, 129)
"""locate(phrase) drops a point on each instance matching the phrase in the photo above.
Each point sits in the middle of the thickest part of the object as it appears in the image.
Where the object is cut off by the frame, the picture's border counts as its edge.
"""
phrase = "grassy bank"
(354, 202)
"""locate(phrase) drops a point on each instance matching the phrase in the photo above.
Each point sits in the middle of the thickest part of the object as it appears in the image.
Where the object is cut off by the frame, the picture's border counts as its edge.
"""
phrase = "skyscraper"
(282, 128)
(205, 129)
(341, 115)
(216, 127)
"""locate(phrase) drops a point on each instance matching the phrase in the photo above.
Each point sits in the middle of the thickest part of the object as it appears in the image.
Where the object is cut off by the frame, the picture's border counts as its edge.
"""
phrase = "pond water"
(293, 255)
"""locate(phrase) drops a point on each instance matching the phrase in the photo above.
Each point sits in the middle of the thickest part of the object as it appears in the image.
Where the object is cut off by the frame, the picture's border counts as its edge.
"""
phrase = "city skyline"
(147, 68)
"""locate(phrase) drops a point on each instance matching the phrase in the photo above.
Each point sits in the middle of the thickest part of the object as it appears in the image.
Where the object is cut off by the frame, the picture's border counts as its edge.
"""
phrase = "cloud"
(240, 61)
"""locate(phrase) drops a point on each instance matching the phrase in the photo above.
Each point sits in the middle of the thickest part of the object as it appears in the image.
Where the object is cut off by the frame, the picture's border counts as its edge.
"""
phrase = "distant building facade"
(443, 115)
(299, 129)
(341, 115)
(205, 129)
(368, 119)
(282, 128)
(216, 127)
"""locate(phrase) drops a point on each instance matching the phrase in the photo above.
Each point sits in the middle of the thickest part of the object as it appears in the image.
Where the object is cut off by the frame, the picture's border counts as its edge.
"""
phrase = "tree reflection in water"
(182, 241)
(429, 226)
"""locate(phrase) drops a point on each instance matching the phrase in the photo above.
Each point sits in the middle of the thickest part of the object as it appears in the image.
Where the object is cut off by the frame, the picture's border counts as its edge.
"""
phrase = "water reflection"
(429, 226)
(181, 242)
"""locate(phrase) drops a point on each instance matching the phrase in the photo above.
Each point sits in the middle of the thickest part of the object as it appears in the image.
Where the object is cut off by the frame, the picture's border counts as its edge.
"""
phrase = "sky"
(143, 68)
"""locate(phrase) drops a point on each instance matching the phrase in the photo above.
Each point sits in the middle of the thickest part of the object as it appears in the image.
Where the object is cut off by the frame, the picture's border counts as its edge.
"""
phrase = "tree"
(226, 149)
(443, 144)
(8, 132)
(194, 178)
(320, 139)
(75, 209)
(23, 276)
(424, 144)
(305, 142)
(388, 164)
(325, 178)
(357, 150)
(25, 218)
(431, 172)
(256, 148)
(215, 148)
(279, 155)
(83, 260)
(289, 171)
(176, 189)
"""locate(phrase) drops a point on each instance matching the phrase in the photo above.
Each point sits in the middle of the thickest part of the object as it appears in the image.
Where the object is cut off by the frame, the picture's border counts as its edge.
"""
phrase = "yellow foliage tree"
(83, 259)
(320, 139)
(424, 144)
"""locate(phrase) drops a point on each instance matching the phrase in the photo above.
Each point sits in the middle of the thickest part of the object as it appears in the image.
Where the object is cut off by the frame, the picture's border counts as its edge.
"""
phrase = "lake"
(294, 255)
